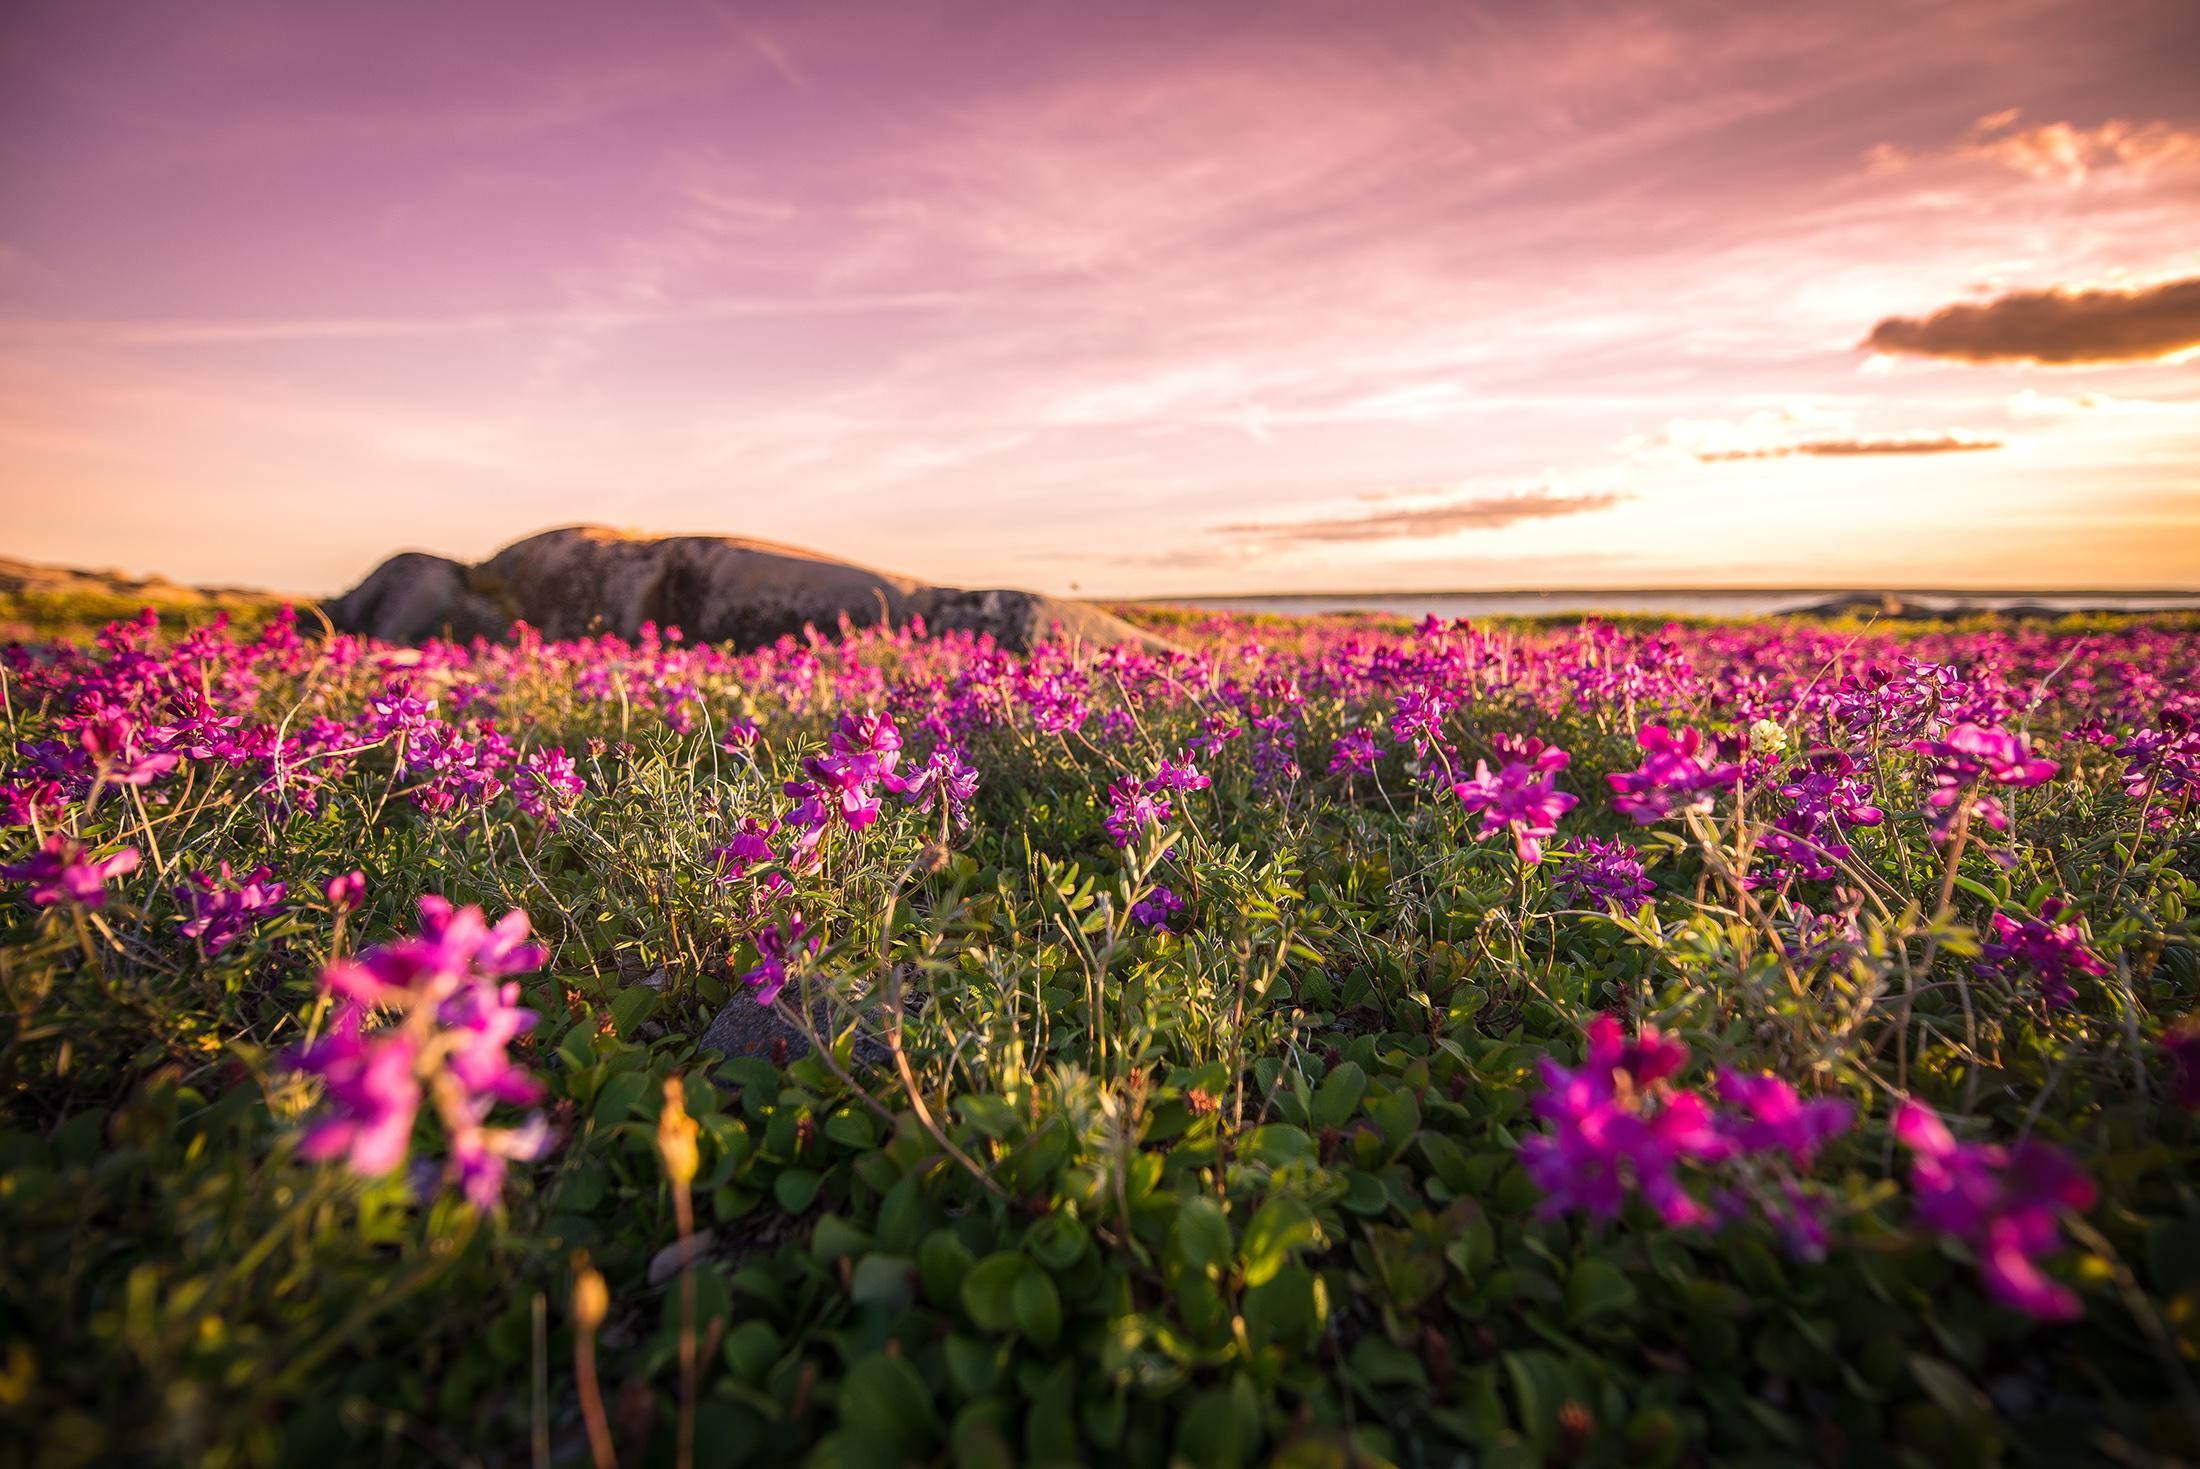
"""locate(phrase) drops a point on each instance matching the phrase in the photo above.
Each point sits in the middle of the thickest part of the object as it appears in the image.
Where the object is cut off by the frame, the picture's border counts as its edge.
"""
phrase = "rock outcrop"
(587, 579)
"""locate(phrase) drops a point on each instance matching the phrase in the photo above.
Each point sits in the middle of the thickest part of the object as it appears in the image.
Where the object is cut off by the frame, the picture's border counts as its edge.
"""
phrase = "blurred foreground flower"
(59, 872)
(450, 1045)
(2002, 1202)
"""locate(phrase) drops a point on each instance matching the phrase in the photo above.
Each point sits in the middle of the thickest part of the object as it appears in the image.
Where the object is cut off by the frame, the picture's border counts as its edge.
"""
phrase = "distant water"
(1757, 603)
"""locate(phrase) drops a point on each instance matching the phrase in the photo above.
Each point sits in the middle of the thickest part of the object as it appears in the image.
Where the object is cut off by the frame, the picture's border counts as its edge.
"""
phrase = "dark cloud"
(2054, 326)
(1486, 513)
(1955, 443)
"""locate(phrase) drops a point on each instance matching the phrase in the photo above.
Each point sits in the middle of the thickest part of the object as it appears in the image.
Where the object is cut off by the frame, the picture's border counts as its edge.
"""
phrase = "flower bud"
(676, 1133)
(591, 1298)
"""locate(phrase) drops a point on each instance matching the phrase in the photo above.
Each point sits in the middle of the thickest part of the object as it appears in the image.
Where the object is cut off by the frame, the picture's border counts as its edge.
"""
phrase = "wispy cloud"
(2030, 404)
(2054, 326)
(1799, 428)
(1487, 512)
(2059, 151)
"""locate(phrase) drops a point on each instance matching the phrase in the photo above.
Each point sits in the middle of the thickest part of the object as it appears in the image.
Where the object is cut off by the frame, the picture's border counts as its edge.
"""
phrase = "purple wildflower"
(1613, 1127)
(1973, 755)
(1672, 777)
(223, 907)
(370, 1086)
(1354, 751)
(945, 779)
(751, 846)
(1158, 909)
(776, 948)
(1178, 777)
(450, 1045)
(549, 784)
(1136, 807)
(2002, 1202)
(60, 873)
(346, 894)
(1594, 872)
(1780, 1121)
(2050, 949)
(1516, 799)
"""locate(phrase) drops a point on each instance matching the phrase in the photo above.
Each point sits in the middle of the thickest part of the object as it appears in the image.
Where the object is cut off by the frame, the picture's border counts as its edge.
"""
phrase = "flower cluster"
(1618, 1125)
(60, 872)
(223, 907)
(1969, 757)
(2049, 945)
(2002, 1202)
(787, 943)
(1522, 798)
(457, 1013)
(1594, 873)
(1354, 751)
(1673, 776)
(1158, 909)
(1139, 805)
(548, 785)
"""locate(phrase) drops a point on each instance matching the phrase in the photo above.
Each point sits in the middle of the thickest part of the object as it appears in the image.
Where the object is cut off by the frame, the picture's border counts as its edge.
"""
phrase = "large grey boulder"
(589, 579)
(413, 597)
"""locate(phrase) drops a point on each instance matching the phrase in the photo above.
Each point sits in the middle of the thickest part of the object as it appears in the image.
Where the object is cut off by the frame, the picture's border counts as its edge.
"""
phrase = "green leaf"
(795, 1188)
(1595, 1287)
(1386, 1365)
(630, 1007)
(1339, 1095)
(621, 1098)
(1278, 1227)
(1293, 1305)
(1211, 1432)
(994, 1116)
(574, 1052)
(1203, 1235)
(850, 1127)
(750, 1350)
(1037, 1307)
(978, 1441)
(906, 1215)
(752, 1071)
(1057, 1241)
(975, 1364)
(1050, 1431)
(989, 1290)
(1364, 1193)
(834, 1237)
(1278, 1143)
(884, 1399)
(1399, 1116)
(883, 1280)
(943, 1260)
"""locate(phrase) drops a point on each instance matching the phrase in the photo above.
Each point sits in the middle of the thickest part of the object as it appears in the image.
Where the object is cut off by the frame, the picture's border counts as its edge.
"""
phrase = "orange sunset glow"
(1145, 299)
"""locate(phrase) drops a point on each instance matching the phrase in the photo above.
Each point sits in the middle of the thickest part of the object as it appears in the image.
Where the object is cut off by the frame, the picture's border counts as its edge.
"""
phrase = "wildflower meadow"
(1332, 1043)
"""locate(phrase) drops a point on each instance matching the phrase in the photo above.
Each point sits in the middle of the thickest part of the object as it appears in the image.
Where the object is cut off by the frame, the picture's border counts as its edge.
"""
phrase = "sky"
(1135, 299)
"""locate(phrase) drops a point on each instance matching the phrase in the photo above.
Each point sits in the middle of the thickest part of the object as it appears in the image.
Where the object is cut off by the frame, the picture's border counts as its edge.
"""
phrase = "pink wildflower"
(1515, 799)
(223, 908)
(1781, 1121)
(1613, 1126)
(776, 948)
(2048, 948)
(371, 1087)
(59, 872)
(2002, 1202)
(1971, 756)
(1672, 777)
(346, 893)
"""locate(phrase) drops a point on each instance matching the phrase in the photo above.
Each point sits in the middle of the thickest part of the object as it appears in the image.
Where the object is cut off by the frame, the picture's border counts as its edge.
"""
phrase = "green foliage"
(1245, 1193)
